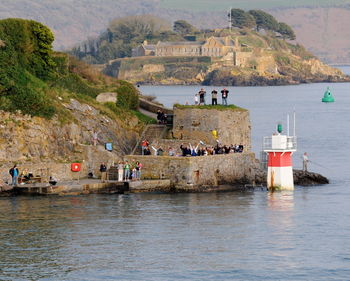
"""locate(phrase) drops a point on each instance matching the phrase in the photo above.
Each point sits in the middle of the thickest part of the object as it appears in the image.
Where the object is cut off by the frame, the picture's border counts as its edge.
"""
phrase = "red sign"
(75, 167)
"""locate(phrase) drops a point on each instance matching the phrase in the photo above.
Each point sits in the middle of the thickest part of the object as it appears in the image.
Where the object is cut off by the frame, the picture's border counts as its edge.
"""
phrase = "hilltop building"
(211, 47)
(144, 50)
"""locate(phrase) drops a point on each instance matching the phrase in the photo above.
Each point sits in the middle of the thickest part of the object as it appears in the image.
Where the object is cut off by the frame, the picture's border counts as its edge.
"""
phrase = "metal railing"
(290, 143)
(264, 157)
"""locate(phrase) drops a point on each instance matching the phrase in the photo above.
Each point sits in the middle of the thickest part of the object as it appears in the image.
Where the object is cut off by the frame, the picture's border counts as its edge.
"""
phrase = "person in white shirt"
(196, 99)
(305, 161)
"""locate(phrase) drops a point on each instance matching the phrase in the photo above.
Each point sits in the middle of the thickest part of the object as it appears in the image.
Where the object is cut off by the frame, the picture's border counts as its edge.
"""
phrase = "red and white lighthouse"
(280, 149)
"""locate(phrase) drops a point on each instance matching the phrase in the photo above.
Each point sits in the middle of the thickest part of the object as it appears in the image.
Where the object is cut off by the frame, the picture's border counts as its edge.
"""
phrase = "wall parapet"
(229, 126)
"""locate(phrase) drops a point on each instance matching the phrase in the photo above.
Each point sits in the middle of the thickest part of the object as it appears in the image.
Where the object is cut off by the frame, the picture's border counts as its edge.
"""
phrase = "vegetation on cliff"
(26, 65)
(37, 81)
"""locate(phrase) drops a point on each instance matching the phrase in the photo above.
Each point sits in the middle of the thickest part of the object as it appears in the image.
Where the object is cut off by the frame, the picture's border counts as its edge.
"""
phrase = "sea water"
(300, 235)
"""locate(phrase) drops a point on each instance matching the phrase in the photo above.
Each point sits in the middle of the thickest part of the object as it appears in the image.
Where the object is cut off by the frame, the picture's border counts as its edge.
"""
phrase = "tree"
(286, 31)
(183, 27)
(122, 35)
(241, 19)
(128, 97)
(264, 20)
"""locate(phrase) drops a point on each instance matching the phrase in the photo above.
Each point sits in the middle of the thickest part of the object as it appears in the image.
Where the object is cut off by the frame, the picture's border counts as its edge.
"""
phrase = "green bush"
(25, 63)
(128, 96)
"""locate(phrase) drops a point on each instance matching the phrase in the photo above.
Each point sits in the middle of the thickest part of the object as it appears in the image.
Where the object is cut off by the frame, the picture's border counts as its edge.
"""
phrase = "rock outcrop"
(36, 143)
(107, 97)
(301, 178)
(266, 61)
(308, 178)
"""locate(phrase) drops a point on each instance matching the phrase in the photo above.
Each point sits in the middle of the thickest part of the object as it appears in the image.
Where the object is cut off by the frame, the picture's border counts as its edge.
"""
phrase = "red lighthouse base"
(280, 171)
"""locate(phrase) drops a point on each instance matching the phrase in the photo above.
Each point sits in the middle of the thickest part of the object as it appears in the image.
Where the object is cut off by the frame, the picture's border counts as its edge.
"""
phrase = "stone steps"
(151, 133)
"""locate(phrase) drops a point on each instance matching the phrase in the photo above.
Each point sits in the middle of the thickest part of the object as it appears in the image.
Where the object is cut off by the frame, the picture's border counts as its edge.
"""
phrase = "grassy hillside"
(37, 81)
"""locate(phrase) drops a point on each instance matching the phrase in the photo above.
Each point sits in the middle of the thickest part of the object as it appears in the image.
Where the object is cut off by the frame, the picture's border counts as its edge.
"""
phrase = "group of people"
(129, 171)
(210, 150)
(199, 98)
(19, 177)
(200, 150)
(161, 117)
(25, 176)
(126, 171)
(146, 149)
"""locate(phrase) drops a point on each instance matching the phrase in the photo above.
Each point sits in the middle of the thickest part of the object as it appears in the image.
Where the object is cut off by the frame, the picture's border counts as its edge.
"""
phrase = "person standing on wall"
(159, 116)
(144, 145)
(201, 94)
(224, 94)
(196, 99)
(14, 174)
(214, 97)
(103, 170)
(305, 161)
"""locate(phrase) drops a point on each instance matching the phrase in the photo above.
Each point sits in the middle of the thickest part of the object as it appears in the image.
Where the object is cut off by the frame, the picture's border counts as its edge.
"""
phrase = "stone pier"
(193, 172)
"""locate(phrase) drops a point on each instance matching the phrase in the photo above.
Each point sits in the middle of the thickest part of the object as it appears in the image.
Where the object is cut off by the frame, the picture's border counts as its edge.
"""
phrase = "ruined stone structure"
(211, 47)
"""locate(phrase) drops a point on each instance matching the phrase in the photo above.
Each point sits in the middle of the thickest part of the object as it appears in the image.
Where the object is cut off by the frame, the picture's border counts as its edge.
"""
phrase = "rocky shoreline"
(301, 178)
(250, 81)
(308, 178)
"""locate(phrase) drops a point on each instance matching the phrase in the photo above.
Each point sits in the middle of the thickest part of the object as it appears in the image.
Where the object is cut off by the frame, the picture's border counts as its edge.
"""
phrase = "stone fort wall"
(202, 170)
(232, 125)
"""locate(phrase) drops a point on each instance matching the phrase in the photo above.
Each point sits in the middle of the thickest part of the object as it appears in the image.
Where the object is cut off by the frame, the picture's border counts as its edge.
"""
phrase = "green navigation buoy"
(327, 97)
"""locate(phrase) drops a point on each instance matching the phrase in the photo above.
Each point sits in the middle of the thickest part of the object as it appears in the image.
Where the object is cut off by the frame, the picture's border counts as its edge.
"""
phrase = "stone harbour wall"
(89, 162)
(233, 126)
(236, 168)
(153, 107)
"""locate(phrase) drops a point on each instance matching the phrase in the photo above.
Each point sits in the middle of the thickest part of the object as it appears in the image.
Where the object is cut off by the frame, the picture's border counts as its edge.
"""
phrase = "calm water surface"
(300, 235)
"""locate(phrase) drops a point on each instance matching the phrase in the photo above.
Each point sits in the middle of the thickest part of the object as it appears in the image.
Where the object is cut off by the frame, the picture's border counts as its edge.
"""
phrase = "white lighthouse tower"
(280, 149)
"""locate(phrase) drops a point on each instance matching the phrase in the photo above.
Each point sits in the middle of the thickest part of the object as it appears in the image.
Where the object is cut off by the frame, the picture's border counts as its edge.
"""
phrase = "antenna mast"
(230, 19)
(294, 123)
